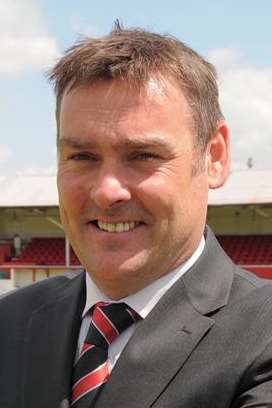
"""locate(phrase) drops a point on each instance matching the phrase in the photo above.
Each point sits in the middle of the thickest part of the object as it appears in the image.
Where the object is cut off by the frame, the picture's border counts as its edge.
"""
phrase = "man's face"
(130, 203)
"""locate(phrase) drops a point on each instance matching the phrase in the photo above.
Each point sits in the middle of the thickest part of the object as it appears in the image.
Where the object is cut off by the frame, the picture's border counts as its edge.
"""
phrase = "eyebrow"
(76, 143)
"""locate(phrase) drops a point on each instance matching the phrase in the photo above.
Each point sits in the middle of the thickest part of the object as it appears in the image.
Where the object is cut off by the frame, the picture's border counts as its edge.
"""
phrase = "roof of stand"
(242, 187)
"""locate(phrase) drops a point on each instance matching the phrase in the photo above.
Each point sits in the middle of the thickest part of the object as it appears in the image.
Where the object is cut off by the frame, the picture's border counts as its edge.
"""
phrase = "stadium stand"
(5, 252)
(248, 250)
(5, 257)
(44, 257)
(244, 250)
(45, 251)
(240, 214)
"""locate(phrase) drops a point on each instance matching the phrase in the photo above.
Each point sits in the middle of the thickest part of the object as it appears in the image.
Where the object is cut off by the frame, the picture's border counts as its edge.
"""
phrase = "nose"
(110, 190)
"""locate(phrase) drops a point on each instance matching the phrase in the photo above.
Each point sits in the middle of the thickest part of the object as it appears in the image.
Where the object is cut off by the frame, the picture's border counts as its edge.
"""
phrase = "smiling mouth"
(116, 227)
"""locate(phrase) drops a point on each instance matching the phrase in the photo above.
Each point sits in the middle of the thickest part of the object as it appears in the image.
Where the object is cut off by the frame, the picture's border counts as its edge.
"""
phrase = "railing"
(264, 271)
(24, 274)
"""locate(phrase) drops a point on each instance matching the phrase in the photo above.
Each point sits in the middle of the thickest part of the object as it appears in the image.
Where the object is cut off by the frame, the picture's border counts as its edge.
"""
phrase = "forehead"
(155, 91)
(115, 105)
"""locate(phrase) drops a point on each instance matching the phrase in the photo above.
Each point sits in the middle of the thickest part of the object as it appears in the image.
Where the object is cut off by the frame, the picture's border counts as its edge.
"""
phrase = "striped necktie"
(92, 369)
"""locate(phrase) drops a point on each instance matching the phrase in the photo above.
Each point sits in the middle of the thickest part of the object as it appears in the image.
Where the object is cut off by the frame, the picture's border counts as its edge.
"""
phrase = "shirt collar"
(144, 300)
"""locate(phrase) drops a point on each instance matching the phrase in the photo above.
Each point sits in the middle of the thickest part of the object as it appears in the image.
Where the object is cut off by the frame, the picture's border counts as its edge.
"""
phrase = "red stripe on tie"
(90, 382)
(105, 326)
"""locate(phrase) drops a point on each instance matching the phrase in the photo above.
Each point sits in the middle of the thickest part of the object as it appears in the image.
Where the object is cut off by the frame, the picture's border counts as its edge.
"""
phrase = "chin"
(119, 274)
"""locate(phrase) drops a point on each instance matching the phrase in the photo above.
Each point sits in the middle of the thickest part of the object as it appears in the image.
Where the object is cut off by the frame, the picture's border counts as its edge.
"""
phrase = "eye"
(83, 156)
(145, 156)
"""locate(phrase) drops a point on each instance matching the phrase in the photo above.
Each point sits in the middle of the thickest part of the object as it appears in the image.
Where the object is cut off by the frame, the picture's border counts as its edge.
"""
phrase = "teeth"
(117, 227)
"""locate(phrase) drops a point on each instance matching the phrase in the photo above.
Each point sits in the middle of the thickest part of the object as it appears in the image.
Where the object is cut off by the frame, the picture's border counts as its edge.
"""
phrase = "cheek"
(174, 200)
(159, 195)
(63, 214)
(71, 193)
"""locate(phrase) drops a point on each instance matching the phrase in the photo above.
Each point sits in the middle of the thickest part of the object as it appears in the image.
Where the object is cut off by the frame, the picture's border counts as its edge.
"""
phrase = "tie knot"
(108, 321)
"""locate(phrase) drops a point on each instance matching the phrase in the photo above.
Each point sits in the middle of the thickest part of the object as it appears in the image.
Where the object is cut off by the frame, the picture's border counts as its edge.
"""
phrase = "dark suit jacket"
(207, 343)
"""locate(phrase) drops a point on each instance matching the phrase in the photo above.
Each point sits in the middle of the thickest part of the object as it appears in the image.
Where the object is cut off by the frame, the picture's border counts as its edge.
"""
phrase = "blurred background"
(235, 35)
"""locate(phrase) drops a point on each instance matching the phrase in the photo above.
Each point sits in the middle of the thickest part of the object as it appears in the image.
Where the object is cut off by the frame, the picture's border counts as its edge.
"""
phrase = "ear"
(218, 157)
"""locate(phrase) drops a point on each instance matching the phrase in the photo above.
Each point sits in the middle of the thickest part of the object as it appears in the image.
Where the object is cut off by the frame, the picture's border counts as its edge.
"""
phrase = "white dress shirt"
(142, 302)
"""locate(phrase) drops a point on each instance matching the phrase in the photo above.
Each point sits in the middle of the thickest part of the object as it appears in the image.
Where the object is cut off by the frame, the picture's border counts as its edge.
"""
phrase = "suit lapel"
(50, 345)
(208, 283)
(164, 341)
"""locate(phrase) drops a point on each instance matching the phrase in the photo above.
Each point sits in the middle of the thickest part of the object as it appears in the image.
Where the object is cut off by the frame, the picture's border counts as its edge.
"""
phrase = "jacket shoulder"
(246, 283)
(23, 300)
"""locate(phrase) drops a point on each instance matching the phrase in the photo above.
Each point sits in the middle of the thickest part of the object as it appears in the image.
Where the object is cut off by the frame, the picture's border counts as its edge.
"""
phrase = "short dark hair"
(135, 55)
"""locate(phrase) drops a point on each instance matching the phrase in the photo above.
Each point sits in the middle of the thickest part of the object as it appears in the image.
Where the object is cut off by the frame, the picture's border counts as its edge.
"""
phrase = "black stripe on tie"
(95, 337)
(95, 356)
(119, 316)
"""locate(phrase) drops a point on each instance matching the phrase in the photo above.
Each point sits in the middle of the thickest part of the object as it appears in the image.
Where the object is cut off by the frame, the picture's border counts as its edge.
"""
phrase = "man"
(141, 139)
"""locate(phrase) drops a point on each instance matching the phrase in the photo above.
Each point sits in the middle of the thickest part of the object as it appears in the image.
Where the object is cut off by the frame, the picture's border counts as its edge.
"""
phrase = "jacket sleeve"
(256, 385)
